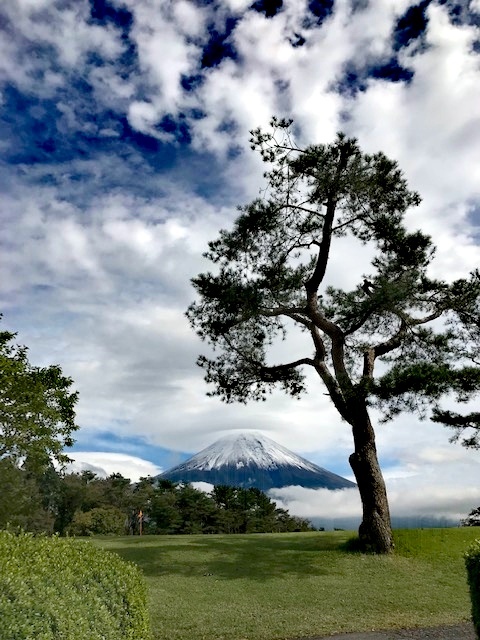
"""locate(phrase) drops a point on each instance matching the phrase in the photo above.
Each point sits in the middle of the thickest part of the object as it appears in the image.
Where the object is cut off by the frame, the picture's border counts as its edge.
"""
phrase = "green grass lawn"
(266, 586)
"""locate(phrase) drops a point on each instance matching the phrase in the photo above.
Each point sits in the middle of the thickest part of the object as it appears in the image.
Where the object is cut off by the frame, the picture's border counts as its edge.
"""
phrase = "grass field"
(266, 586)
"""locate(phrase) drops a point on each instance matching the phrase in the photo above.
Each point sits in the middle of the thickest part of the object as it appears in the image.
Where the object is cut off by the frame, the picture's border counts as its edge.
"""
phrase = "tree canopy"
(465, 426)
(37, 408)
(85, 504)
(398, 339)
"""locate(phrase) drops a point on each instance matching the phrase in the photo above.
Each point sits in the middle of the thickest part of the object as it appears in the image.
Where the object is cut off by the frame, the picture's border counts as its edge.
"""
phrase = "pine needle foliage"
(398, 340)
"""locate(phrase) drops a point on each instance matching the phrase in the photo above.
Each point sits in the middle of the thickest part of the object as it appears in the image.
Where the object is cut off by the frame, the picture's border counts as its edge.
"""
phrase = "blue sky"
(124, 149)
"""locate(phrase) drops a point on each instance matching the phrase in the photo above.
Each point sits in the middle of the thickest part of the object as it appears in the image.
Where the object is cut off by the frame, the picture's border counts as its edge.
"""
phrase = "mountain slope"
(253, 460)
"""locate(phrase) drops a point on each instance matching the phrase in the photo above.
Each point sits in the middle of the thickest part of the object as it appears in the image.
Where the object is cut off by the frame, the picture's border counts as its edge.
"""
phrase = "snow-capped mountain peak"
(250, 459)
(244, 449)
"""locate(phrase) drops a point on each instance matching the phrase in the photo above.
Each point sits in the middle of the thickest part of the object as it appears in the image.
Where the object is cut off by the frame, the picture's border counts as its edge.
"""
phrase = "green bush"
(472, 561)
(66, 589)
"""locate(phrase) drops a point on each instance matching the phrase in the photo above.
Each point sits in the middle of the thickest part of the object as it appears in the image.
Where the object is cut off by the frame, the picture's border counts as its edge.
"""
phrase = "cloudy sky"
(124, 149)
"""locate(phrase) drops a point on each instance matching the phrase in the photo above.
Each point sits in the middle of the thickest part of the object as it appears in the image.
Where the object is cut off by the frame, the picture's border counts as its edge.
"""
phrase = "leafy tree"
(87, 493)
(233, 506)
(230, 512)
(180, 508)
(117, 491)
(21, 503)
(164, 514)
(271, 277)
(37, 417)
(141, 494)
(261, 511)
(251, 510)
(76, 493)
(196, 509)
(98, 521)
(284, 522)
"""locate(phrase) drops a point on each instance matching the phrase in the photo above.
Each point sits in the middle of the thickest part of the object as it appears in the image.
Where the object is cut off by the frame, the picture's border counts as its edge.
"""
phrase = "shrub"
(66, 589)
(472, 561)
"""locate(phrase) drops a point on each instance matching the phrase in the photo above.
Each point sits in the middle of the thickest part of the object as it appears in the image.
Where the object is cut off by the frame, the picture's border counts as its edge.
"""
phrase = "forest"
(83, 504)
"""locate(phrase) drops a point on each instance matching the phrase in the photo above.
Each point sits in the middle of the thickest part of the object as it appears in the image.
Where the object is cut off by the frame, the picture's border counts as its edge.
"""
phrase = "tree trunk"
(375, 531)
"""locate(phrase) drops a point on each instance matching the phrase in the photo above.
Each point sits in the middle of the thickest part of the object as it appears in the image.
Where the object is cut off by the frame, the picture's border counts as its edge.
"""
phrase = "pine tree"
(271, 277)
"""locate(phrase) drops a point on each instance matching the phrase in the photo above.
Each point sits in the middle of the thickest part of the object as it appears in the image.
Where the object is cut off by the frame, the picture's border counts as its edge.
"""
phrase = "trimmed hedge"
(472, 562)
(65, 589)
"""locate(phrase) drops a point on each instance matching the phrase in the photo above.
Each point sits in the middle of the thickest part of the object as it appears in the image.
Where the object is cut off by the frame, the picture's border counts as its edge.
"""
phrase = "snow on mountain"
(253, 460)
(247, 449)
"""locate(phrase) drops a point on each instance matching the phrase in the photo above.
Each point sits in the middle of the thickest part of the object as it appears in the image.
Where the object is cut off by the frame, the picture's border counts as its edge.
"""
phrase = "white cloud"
(431, 124)
(447, 490)
(206, 487)
(321, 503)
(165, 52)
(142, 116)
(189, 18)
(65, 28)
(99, 251)
(105, 464)
(237, 6)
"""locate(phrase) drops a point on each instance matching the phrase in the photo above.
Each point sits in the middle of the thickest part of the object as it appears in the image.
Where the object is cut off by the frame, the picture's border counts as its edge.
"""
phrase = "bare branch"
(288, 366)
(359, 324)
(299, 207)
(291, 312)
(333, 388)
(346, 223)
(414, 322)
(392, 343)
(319, 319)
(372, 353)
(320, 351)
(283, 147)
(318, 274)
(368, 362)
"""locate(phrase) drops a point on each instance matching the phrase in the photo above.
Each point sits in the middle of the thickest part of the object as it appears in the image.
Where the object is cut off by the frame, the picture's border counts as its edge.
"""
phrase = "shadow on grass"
(255, 557)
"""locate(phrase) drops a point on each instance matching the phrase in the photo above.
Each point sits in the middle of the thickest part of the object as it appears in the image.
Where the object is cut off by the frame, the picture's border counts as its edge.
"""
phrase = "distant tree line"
(37, 422)
(84, 504)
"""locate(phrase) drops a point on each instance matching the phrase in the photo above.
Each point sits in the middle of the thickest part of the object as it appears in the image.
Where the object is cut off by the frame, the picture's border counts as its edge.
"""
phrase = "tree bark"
(375, 531)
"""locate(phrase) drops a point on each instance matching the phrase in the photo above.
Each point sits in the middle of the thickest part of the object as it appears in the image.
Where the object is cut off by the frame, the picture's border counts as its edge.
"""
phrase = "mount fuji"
(253, 460)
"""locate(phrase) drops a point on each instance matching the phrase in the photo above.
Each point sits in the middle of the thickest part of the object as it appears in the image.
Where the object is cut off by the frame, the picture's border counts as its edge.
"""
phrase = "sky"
(124, 130)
